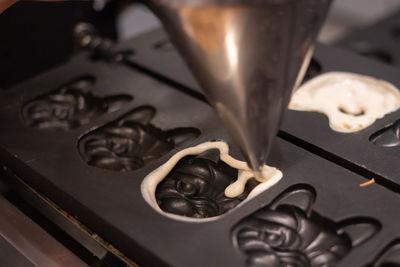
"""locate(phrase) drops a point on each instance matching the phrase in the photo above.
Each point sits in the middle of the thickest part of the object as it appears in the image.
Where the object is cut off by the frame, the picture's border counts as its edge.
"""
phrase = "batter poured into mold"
(351, 102)
(203, 186)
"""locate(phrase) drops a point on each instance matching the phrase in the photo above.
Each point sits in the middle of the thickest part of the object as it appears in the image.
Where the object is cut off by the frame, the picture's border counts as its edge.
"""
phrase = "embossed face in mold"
(70, 106)
(351, 102)
(195, 187)
(388, 136)
(131, 142)
(288, 233)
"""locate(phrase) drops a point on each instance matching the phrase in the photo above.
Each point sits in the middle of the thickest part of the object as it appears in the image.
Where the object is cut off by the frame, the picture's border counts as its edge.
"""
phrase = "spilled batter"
(351, 102)
(189, 184)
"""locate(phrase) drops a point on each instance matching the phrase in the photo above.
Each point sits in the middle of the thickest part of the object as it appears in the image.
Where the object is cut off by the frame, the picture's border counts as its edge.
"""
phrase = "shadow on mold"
(131, 141)
(70, 106)
(289, 233)
(314, 69)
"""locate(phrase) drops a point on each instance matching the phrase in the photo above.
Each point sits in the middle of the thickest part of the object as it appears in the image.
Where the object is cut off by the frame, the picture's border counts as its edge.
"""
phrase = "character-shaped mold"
(351, 102)
(70, 106)
(389, 257)
(131, 142)
(202, 182)
(289, 233)
(388, 136)
(196, 186)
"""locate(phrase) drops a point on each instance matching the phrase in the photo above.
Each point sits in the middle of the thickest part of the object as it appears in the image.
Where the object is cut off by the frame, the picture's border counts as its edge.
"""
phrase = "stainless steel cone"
(247, 56)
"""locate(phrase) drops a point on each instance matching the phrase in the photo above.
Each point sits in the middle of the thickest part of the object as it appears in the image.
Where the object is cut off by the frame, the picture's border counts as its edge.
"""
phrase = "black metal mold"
(379, 41)
(111, 204)
(70, 106)
(131, 141)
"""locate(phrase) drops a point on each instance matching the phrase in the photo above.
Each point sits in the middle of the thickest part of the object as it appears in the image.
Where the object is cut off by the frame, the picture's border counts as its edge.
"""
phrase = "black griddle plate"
(110, 203)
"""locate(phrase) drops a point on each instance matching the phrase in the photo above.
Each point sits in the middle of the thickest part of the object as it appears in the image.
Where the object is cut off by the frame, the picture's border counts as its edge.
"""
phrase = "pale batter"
(351, 102)
(271, 176)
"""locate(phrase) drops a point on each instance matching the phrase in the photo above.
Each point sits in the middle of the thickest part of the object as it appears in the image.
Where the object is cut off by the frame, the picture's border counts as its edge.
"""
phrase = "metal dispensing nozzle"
(247, 55)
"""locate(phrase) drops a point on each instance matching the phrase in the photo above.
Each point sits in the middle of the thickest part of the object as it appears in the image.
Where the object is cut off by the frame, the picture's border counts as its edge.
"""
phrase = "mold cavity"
(351, 101)
(70, 106)
(388, 136)
(203, 182)
(313, 70)
(373, 52)
(356, 114)
(164, 45)
(289, 231)
(389, 256)
(131, 141)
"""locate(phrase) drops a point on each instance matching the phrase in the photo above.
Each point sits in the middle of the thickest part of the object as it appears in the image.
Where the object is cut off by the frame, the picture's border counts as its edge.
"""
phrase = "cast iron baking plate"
(308, 126)
(379, 41)
(110, 203)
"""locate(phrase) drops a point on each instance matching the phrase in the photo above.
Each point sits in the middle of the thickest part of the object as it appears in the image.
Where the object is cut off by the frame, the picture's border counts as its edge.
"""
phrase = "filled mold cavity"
(70, 106)
(131, 141)
(388, 136)
(389, 256)
(164, 45)
(288, 232)
(351, 102)
(203, 182)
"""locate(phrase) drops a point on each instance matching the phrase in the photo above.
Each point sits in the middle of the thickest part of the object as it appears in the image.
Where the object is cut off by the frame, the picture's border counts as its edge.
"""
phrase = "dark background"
(35, 36)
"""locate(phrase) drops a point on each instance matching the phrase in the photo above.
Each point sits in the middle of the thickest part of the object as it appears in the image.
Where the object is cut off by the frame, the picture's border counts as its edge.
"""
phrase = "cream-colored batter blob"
(351, 102)
(149, 185)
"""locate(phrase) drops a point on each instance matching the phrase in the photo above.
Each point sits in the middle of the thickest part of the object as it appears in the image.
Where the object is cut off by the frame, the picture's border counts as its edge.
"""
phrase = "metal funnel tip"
(247, 55)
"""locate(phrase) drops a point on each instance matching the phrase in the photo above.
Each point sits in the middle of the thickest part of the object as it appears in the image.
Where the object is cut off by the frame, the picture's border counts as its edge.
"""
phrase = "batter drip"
(351, 102)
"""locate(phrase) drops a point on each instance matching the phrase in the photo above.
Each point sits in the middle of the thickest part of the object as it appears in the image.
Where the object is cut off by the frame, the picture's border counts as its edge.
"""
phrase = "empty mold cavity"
(313, 70)
(203, 182)
(351, 101)
(372, 52)
(388, 136)
(288, 232)
(131, 141)
(164, 45)
(389, 256)
(70, 106)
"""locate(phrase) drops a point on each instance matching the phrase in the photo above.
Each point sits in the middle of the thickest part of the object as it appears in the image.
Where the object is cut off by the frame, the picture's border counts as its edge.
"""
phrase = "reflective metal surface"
(247, 56)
